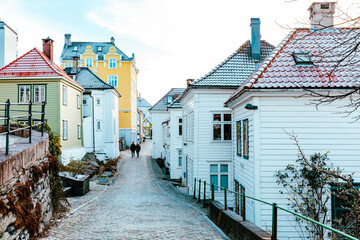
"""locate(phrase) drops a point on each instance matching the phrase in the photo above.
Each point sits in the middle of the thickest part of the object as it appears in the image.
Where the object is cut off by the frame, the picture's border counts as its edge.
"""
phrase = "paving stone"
(139, 205)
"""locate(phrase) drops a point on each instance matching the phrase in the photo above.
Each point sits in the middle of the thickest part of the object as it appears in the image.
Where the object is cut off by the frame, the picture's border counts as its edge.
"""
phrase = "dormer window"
(302, 58)
(99, 49)
(76, 48)
(169, 99)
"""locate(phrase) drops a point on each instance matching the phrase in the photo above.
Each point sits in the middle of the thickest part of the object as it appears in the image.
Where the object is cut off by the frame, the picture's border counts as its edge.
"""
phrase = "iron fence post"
(225, 198)
(204, 194)
(212, 192)
(274, 222)
(195, 188)
(199, 190)
(7, 116)
(30, 120)
(42, 118)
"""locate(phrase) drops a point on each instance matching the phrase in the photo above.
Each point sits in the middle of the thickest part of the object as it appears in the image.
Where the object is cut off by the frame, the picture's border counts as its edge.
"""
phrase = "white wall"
(8, 45)
(176, 171)
(317, 130)
(158, 118)
(203, 150)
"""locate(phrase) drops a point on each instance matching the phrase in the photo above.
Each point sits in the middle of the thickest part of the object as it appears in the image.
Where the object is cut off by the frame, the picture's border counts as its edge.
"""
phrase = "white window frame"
(219, 174)
(76, 48)
(180, 156)
(89, 62)
(79, 131)
(222, 122)
(42, 95)
(113, 80)
(27, 88)
(78, 98)
(64, 95)
(114, 62)
(65, 129)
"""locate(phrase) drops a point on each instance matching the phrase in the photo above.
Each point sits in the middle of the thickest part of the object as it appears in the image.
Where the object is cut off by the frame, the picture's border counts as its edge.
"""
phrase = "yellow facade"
(126, 75)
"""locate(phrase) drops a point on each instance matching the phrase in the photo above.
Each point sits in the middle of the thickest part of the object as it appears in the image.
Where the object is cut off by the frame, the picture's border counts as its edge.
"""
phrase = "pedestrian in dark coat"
(132, 149)
(138, 148)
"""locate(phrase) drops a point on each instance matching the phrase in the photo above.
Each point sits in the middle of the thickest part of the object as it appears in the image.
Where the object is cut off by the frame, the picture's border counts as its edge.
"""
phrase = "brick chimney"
(322, 14)
(255, 38)
(67, 38)
(188, 81)
(48, 48)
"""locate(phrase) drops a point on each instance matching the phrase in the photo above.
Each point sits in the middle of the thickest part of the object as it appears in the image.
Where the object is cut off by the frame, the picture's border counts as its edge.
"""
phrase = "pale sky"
(172, 39)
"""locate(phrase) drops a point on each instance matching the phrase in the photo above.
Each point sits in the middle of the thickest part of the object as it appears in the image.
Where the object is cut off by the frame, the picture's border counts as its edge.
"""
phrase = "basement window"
(302, 58)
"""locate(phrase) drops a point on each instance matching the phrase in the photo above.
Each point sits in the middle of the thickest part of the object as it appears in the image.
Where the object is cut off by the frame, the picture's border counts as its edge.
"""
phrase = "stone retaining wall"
(25, 205)
(233, 225)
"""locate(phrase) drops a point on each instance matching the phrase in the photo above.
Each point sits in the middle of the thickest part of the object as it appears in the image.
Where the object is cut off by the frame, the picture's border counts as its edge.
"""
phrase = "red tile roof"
(327, 48)
(34, 64)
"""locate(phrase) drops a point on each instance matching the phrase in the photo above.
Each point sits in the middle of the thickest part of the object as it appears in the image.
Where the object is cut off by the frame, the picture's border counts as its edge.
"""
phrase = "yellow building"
(114, 67)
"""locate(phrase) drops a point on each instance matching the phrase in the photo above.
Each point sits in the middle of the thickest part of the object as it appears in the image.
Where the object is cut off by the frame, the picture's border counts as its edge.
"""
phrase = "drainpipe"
(93, 117)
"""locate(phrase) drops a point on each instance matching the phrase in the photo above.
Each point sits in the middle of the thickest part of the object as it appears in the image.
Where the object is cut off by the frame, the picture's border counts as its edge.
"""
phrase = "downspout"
(93, 118)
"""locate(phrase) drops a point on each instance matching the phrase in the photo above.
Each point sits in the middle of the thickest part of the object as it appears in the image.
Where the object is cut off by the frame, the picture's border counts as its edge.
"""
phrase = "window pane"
(180, 120)
(238, 138)
(42, 93)
(214, 180)
(180, 130)
(180, 152)
(214, 168)
(217, 117)
(227, 117)
(180, 161)
(217, 132)
(224, 168)
(227, 131)
(224, 181)
(36, 93)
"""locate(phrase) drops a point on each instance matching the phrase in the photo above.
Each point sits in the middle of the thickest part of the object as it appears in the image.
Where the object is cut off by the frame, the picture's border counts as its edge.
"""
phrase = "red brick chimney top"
(48, 48)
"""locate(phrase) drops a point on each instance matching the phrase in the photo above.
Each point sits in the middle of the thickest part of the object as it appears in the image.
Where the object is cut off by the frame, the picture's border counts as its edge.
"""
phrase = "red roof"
(34, 64)
(326, 49)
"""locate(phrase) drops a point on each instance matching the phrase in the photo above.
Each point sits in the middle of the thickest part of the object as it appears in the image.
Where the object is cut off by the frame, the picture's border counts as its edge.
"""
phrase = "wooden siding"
(175, 143)
(158, 117)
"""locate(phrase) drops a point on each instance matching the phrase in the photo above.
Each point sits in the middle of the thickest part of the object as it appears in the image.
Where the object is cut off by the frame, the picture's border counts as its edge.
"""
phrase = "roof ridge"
(221, 64)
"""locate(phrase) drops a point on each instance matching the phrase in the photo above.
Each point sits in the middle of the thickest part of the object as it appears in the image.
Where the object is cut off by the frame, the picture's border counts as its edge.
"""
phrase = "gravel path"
(139, 205)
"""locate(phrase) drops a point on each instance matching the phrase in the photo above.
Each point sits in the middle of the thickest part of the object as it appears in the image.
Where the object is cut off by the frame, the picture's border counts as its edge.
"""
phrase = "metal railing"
(274, 206)
(27, 115)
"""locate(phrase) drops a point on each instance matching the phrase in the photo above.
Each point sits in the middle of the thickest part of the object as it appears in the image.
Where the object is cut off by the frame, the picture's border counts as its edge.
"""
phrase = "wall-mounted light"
(250, 107)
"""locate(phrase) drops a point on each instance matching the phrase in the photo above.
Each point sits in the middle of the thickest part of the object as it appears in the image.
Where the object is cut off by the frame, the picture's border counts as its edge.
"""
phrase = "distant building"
(8, 44)
(100, 115)
(144, 106)
(35, 77)
(117, 69)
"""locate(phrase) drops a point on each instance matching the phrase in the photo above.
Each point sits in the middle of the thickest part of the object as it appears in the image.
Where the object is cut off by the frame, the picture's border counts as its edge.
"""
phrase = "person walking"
(138, 148)
(132, 149)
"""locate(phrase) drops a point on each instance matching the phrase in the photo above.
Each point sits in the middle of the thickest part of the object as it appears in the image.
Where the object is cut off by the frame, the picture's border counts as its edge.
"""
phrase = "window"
(112, 63)
(79, 131)
(180, 157)
(113, 80)
(302, 58)
(98, 125)
(98, 101)
(180, 126)
(88, 62)
(84, 102)
(64, 95)
(65, 129)
(221, 126)
(39, 93)
(78, 101)
(219, 172)
(76, 48)
(340, 208)
(246, 139)
(169, 99)
(238, 138)
(99, 49)
(242, 202)
(24, 93)
(67, 64)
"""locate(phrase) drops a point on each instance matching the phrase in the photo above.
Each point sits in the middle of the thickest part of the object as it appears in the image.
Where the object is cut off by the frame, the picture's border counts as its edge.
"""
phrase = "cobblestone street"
(139, 205)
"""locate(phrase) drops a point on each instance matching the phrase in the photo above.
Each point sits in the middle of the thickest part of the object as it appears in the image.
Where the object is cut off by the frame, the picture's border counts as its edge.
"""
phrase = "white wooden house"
(160, 114)
(272, 101)
(100, 115)
(207, 144)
